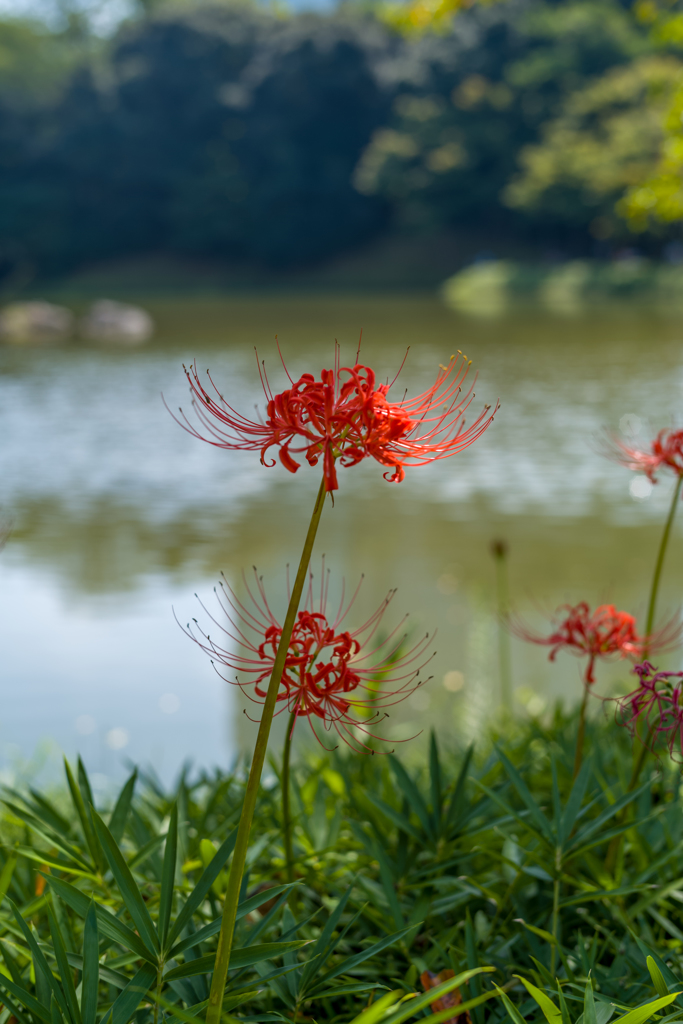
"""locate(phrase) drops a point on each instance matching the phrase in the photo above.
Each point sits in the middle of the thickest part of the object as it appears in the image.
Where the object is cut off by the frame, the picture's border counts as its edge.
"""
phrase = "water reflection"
(118, 514)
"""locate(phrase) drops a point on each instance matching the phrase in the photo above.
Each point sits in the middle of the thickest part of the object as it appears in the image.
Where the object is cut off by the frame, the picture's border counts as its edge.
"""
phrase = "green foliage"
(490, 286)
(491, 864)
(535, 81)
(231, 131)
(607, 138)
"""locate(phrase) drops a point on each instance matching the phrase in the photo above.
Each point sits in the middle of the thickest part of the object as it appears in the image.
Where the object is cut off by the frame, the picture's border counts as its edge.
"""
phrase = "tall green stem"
(659, 565)
(639, 760)
(556, 908)
(641, 756)
(641, 753)
(286, 814)
(499, 550)
(581, 734)
(220, 973)
(157, 1001)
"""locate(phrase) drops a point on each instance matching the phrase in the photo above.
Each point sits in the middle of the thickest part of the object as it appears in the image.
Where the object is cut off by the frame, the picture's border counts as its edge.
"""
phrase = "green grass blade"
(389, 887)
(27, 1001)
(473, 963)
(412, 794)
(666, 972)
(135, 905)
(40, 964)
(353, 961)
(455, 807)
(660, 985)
(84, 818)
(424, 1000)
(91, 967)
(400, 820)
(537, 815)
(6, 875)
(510, 812)
(244, 908)
(15, 1010)
(548, 1008)
(589, 1004)
(378, 1009)
(37, 826)
(84, 784)
(119, 816)
(435, 782)
(11, 965)
(643, 1013)
(443, 1016)
(513, 1012)
(575, 801)
(322, 945)
(108, 924)
(245, 957)
(54, 1012)
(127, 1002)
(114, 978)
(596, 825)
(44, 809)
(168, 876)
(199, 893)
(557, 804)
(563, 1005)
(65, 974)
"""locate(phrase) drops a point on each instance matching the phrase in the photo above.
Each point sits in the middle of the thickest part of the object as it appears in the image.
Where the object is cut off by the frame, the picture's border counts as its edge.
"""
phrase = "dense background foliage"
(235, 132)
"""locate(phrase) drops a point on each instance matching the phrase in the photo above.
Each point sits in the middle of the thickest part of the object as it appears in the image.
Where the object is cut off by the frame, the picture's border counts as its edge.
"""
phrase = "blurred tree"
(451, 147)
(233, 132)
(34, 62)
(606, 139)
(274, 181)
(223, 131)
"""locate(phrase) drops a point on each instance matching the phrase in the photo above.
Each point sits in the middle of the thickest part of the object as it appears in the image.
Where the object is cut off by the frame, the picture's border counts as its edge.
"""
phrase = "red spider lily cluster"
(666, 451)
(345, 416)
(594, 635)
(656, 706)
(339, 678)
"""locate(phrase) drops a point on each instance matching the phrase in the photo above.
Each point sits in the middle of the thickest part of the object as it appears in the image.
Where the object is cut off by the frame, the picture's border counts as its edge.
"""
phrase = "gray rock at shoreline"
(35, 321)
(107, 320)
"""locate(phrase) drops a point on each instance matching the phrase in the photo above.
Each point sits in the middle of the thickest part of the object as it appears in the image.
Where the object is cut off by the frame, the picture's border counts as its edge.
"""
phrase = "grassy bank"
(490, 287)
(490, 857)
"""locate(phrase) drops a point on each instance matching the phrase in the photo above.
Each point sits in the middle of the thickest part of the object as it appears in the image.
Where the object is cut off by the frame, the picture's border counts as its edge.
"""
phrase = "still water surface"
(119, 517)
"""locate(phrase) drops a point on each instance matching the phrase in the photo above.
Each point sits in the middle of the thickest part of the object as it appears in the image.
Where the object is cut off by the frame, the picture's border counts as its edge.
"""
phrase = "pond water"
(119, 517)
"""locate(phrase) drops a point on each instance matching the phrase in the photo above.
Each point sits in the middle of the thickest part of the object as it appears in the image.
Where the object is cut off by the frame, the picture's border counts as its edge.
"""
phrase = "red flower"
(666, 450)
(345, 415)
(603, 633)
(658, 703)
(327, 677)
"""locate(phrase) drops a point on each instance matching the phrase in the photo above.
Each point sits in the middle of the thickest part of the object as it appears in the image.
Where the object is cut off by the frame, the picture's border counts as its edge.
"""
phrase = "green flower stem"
(556, 908)
(659, 565)
(499, 551)
(157, 1001)
(640, 755)
(220, 973)
(580, 736)
(639, 760)
(286, 813)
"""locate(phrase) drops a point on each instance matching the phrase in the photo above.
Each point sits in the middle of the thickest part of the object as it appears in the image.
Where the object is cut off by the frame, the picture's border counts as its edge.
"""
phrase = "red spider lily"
(665, 451)
(658, 703)
(328, 678)
(603, 633)
(347, 416)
